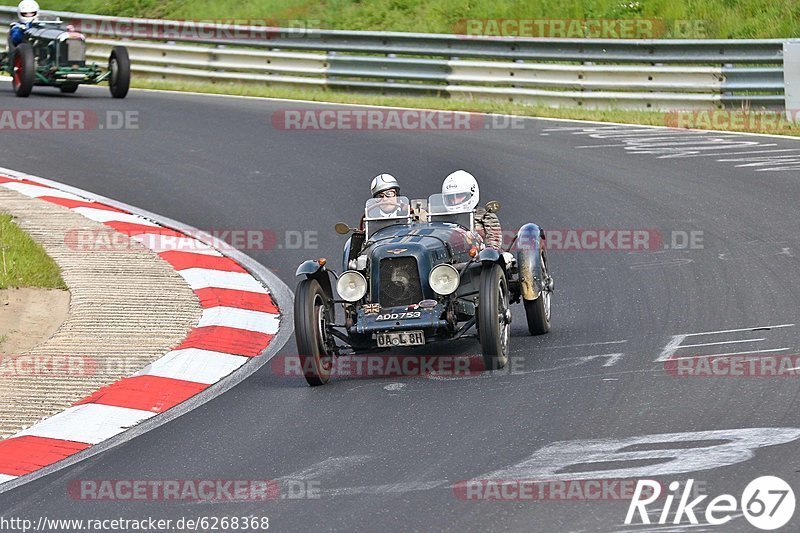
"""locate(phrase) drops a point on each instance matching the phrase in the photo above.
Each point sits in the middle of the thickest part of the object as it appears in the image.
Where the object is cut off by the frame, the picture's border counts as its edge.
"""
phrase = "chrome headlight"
(352, 286)
(444, 280)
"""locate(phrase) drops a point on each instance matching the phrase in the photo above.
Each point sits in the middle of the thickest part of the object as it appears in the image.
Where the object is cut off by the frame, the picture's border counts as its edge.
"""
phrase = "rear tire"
(69, 88)
(23, 70)
(494, 317)
(311, 316)
(119, 64)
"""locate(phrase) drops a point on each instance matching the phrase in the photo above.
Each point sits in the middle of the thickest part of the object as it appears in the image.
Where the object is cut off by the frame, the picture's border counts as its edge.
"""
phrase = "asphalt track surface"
(386, 451)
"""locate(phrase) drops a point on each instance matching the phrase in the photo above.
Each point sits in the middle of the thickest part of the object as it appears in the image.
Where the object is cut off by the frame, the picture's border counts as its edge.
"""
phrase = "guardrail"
(591, 73)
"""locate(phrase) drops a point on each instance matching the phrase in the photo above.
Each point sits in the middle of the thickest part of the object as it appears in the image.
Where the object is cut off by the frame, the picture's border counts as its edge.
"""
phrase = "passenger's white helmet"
(384, 182)
(460, 191)
(27, 11)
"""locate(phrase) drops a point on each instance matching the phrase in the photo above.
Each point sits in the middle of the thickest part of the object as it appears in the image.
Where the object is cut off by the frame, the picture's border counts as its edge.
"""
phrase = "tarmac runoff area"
(128, 307)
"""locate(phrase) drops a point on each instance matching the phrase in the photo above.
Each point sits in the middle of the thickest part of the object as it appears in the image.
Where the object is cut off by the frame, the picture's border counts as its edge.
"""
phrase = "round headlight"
(444, 280)
(352, 286)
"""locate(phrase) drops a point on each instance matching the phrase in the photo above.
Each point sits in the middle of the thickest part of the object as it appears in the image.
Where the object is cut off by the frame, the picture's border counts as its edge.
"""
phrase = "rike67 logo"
(767, 502)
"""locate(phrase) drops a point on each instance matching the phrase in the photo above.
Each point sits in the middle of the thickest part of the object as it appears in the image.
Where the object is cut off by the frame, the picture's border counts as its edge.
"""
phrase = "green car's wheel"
(311, 318)
(24, 70)
(69, 88)
(119, 64)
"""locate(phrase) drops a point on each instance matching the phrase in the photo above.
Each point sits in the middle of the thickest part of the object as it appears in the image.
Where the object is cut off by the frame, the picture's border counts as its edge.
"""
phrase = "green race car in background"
(53, 55)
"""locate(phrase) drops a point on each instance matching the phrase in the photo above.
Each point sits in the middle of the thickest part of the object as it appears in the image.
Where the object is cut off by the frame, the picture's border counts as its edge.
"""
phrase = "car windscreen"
(387, 208)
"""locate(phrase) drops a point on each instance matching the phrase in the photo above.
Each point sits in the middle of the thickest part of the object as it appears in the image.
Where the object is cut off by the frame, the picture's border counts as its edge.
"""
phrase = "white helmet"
(27, 11)
(384, 182)
(460, 191)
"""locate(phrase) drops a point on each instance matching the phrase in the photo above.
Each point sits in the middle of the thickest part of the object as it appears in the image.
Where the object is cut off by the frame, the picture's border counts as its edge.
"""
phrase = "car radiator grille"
(76, 50)
(399, 282)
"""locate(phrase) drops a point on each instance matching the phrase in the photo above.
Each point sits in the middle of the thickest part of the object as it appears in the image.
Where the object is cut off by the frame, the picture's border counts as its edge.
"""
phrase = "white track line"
(720, 342)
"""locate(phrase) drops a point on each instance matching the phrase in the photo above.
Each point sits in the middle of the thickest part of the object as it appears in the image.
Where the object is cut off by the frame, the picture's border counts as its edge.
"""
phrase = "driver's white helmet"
(384, 182)
(460, 191)
(27, 11)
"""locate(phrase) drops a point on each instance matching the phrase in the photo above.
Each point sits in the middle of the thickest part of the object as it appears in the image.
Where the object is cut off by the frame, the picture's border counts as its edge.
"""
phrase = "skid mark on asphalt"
(329, 467)
(611, 359)
(661, 264)
(676, 143)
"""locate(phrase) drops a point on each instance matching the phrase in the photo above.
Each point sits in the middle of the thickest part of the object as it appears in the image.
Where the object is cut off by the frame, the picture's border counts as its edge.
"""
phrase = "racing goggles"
(391, 193)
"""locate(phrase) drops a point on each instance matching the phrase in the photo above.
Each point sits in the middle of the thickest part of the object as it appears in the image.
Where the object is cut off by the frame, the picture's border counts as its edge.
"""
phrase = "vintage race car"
(415, 276)
(55, 56)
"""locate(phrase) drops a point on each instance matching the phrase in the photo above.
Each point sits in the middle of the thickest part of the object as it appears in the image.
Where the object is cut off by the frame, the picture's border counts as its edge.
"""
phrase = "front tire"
(311, 318)
(120, 66)
(494, 317)
(23, 70)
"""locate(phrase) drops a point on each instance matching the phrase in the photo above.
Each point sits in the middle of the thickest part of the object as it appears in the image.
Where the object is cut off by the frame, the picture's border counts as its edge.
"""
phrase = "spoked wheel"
(494, 317)
(312, 316)
(538, 311)
(119, 64)
(24, 70)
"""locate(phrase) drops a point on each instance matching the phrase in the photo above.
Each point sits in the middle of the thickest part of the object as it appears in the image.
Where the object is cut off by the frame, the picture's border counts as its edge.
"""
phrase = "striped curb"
(237, 333)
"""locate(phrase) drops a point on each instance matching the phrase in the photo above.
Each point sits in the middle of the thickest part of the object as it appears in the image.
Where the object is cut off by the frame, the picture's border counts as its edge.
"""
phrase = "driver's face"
(389, 201)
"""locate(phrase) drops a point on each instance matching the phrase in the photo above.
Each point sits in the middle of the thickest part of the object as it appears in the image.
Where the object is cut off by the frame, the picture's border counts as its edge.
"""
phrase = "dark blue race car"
(415, 276)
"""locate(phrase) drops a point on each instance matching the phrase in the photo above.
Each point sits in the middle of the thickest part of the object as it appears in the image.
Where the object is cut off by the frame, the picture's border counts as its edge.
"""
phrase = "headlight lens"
(352, 286)
(444, 280)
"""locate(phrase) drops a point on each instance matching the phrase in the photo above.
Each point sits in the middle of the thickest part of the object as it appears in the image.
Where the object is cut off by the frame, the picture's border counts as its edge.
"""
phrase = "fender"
(528, 243)
(311, 269)
(491, 255)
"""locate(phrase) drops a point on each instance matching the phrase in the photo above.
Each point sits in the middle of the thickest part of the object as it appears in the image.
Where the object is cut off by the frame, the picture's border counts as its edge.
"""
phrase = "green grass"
(745, 19)
(23, 263)
(648, 118)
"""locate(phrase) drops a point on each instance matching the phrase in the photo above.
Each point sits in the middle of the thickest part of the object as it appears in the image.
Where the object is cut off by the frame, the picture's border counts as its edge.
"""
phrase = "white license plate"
(401, 338)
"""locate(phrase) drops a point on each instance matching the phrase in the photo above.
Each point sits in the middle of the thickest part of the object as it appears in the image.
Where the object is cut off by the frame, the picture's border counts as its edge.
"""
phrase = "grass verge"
(647, 118)
(23, 262)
